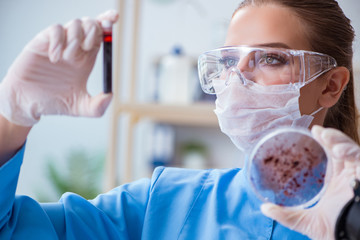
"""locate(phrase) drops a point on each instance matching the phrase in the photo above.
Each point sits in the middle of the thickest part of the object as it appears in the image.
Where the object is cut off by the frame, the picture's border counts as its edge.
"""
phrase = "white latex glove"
(319, 221)
(49, 77)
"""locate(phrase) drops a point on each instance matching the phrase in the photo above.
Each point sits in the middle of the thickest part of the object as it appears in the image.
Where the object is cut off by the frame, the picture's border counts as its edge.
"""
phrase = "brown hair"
(329, 31)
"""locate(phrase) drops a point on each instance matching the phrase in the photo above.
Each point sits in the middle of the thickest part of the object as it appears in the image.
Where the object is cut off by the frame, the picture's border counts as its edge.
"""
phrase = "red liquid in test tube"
(107, 56)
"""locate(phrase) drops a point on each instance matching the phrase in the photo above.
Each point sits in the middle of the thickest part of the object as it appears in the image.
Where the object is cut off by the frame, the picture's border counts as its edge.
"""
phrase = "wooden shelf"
(197, 114)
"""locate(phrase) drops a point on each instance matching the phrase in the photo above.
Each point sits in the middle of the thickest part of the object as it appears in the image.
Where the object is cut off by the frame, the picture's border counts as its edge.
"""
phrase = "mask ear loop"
(234, 71)
(316, 111)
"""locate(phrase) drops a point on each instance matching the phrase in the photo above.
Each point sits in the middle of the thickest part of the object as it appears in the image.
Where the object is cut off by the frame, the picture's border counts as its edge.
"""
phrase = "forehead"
(267, 24)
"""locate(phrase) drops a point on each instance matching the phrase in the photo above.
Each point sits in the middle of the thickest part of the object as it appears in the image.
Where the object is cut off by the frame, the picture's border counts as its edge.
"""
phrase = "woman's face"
(275, 26)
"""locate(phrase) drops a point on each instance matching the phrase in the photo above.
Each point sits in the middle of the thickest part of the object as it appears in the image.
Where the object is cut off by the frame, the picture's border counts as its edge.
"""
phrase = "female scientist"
(253, 95)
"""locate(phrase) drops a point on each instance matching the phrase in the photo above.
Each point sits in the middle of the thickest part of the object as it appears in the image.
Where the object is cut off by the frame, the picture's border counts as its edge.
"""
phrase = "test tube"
(107, 56)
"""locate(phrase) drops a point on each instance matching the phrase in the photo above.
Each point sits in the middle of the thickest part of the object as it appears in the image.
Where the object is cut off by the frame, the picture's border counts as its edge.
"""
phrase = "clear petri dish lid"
(288, 167)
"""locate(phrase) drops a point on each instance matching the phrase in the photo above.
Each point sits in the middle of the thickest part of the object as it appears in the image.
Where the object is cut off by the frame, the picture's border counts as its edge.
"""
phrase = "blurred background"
(91, 155)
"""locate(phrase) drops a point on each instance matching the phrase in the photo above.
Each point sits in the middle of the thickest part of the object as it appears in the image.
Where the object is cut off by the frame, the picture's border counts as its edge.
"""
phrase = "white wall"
(352, 10)
(198, 24)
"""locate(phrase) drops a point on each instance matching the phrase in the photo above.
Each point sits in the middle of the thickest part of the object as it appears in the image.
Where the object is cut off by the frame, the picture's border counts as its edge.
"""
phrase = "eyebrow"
(272, 45)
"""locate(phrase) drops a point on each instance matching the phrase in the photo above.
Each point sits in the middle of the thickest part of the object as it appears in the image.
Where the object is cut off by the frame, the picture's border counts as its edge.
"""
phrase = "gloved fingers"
(346, 150)
(49, 43)
(110, 15)
(93, 34)
(329, 136)
(74, 39)
(342, 149)
(288, 217)
(56, 38)
(94, 106)
(350, 153)
(336, 163)
(74, 30)
(332, 137)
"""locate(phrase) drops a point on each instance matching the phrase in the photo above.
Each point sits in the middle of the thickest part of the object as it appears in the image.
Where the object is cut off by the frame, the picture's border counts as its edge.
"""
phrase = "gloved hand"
(49, 76)
(319, 221)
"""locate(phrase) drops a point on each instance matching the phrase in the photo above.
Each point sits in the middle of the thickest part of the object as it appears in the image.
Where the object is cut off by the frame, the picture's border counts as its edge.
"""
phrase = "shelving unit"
(197, 114)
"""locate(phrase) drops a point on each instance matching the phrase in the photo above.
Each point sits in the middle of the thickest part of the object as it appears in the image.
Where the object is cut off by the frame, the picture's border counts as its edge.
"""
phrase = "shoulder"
(189, 178)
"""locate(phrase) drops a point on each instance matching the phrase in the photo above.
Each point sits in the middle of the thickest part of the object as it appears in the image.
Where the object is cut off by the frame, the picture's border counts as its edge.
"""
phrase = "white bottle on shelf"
(175, 78)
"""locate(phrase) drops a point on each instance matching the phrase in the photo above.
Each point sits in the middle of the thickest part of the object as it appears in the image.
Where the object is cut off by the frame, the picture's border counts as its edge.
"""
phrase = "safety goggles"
(263, 65)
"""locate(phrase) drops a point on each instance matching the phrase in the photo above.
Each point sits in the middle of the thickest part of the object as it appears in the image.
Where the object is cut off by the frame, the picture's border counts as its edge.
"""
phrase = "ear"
(335, 83)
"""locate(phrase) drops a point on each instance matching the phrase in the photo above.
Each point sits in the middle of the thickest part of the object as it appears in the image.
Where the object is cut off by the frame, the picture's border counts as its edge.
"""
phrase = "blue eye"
(272, 60)
(229, 62)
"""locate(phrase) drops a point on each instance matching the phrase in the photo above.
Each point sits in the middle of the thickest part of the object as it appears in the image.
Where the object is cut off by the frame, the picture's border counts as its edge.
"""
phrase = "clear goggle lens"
(264, 66)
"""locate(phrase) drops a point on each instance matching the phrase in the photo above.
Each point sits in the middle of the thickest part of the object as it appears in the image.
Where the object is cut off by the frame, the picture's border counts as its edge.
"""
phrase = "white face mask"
(246, 113)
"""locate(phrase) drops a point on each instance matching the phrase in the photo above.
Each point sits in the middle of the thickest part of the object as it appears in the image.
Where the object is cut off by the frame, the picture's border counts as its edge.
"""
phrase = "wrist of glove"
(318, 222)
(49, 76)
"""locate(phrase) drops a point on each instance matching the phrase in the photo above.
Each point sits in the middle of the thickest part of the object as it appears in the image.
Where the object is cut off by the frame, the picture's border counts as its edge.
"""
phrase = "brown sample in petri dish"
(287, 167)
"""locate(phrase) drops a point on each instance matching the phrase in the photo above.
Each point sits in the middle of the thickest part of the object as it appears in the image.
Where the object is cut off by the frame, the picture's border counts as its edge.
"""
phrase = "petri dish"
(288, 167)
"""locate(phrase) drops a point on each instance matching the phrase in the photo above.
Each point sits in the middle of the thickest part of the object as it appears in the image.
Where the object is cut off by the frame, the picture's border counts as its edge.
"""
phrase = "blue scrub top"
(173, 204)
